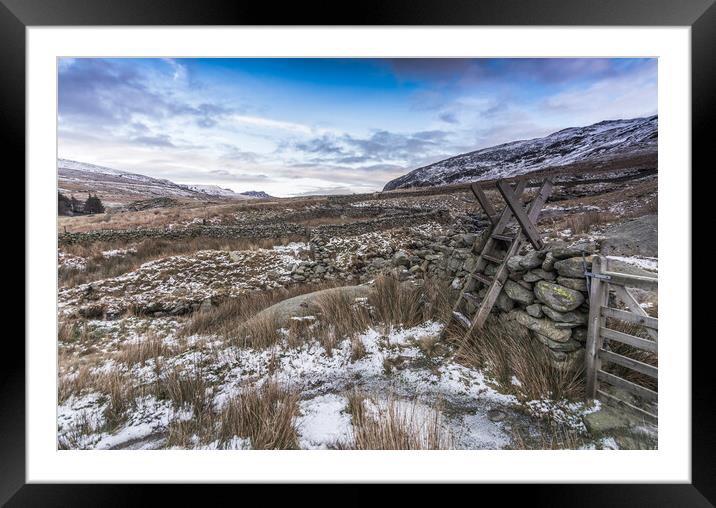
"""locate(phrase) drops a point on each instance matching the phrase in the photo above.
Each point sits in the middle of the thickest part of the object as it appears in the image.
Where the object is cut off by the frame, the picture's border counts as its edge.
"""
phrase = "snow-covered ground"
(322, 378)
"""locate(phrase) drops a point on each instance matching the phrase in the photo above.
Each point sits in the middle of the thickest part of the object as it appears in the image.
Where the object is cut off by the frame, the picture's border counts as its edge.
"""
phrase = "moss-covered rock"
(558, 297)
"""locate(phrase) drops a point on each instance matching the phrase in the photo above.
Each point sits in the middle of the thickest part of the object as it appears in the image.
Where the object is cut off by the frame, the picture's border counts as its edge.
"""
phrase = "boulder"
(565, 317)
(535, 310)
(548, 263)
(455, 264)
(558, 297)
(543, 327)
(576, 250)
(532, 259)
(303, 305)
(566, 347)
(470, 264)
(531, 277)
(401, 258)
(605, 420)
(504, 302)
(572, 267)
(517, 293)
(571, 283)
(468, 239)
(538, 274)
(527, 285)
(514, 264)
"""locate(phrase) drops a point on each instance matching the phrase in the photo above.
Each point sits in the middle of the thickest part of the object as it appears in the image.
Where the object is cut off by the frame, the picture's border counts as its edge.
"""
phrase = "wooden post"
(528, 227)
(597, 298)
(485, 203)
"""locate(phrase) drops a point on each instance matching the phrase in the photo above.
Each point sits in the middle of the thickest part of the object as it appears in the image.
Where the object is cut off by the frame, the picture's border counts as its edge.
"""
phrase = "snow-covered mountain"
(257, 194)
(215, 190)
(117, 187)
(598, 142)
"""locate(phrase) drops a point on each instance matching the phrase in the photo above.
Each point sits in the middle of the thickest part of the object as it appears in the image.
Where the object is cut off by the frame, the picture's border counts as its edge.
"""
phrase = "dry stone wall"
(272, 229)
(545, 291)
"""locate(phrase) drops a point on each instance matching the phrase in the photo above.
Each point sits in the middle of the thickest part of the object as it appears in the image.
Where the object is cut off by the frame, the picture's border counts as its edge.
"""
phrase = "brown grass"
(265, 415)
(583, 222)
(150, 347)
(358, 350)
(506, 349)
(340, 317)
(394, 426)
(184, 388)
(186, 212)
(234, 319)
(396, 304)
(74, 332)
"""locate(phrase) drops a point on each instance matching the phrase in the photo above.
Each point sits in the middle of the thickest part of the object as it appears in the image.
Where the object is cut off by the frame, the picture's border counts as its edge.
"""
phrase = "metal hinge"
(588, 275)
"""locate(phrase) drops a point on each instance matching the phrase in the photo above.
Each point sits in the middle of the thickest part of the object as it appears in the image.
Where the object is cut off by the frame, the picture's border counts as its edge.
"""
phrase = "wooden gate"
(602, 283)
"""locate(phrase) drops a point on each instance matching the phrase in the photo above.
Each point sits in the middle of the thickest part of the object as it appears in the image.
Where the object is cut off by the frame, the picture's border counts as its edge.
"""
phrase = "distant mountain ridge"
(597, 142)
(117, 187)
(215, 190)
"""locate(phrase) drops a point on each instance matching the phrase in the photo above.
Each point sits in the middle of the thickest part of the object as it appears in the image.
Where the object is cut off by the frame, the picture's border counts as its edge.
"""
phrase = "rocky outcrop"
(637, 237)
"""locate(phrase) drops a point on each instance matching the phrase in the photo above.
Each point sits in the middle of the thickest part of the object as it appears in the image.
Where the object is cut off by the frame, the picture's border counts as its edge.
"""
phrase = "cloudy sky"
(307, 126)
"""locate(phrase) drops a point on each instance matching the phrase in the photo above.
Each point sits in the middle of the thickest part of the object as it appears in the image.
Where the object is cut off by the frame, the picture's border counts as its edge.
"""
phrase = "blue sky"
(307, 126)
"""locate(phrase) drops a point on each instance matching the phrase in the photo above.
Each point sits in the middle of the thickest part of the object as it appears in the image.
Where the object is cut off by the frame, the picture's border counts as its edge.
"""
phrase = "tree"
(64, 205)
(93, 205)
(75, 205)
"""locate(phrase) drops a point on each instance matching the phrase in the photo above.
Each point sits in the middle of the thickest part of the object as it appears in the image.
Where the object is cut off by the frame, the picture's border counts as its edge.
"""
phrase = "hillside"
(599, 142)
(116, 187)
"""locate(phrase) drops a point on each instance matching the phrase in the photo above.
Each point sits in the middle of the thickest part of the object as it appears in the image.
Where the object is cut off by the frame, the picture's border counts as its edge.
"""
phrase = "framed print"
(421, 245)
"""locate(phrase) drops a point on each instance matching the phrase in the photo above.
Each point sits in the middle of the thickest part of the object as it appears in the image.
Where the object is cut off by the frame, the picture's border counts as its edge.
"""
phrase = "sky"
(326, 126)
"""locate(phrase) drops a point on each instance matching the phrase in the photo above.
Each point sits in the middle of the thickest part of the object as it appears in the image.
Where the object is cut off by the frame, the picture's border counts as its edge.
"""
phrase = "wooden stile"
(499, 232)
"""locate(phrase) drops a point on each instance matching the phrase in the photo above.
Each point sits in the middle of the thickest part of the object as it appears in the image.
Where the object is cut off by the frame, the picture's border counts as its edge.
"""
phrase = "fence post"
(597, 297)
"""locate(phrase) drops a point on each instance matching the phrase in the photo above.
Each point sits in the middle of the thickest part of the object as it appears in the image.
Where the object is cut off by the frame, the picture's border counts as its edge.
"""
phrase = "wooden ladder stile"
(498, 232)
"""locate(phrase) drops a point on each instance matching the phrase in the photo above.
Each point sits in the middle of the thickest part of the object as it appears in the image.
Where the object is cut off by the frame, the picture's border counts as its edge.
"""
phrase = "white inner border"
(671, 462)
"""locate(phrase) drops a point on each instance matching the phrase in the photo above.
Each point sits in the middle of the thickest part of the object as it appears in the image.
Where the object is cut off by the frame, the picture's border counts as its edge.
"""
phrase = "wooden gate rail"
(602, 281)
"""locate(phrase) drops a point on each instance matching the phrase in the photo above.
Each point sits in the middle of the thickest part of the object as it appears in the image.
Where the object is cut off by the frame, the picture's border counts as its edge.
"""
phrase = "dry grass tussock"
(100, 267)
(115, 388)
(265, 415)
(150, 347)
(583, 222)
(505, 349)
(394, 425)
(396, 304)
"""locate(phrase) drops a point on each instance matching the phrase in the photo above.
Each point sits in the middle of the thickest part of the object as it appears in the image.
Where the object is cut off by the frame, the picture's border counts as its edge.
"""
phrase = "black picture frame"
(700, 15)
